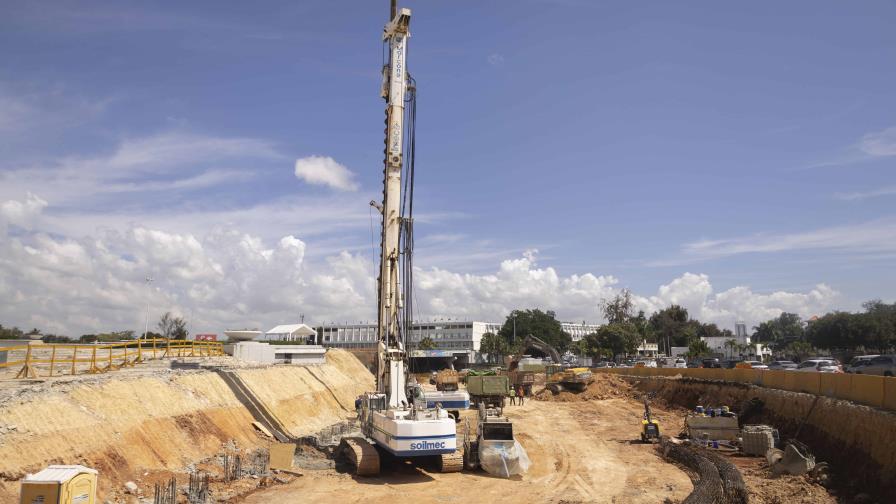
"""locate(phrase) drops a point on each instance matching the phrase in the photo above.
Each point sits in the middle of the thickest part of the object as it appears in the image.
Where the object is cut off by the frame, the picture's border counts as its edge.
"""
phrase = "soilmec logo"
(428, 445)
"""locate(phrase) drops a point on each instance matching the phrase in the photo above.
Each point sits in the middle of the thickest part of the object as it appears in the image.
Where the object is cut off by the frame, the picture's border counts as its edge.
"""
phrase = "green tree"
(426, 343)
(592, 345)
(618, 339)
(779, 332)
(494, 346)
(730, 345)
(543, 325)
(672, 327)
(172, 327)
(800, 349)
(11, 333)
(880, 321)
(54, 338)
(698, 348)
(642, 325)
(619, 308)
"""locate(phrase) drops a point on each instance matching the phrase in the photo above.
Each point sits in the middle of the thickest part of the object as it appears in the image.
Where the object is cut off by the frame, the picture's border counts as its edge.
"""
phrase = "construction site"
(224, 431)
(173, 421)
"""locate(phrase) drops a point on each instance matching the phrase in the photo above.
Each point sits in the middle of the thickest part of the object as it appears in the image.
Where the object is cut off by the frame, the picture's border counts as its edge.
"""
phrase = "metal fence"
(51, 359)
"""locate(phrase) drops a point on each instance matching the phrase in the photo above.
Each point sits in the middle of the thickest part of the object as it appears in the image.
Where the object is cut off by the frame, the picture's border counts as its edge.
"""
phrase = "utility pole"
(514, 329)
(149, 280)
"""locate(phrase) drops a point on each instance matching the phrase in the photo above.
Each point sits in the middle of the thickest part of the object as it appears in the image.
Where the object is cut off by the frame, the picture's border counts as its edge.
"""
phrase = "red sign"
(206, 337)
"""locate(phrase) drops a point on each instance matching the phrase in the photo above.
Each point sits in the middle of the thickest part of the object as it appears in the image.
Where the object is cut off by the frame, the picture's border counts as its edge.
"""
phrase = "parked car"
(711, 363)
(858, 362)
(882, 365)
(695, 364)
(680, 363)
(782, 365)
(820, 365)
(752, 364)
(731, 363)
(605, 364)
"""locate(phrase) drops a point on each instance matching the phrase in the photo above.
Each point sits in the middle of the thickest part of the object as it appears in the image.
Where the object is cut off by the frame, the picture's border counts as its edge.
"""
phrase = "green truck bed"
(488, 385)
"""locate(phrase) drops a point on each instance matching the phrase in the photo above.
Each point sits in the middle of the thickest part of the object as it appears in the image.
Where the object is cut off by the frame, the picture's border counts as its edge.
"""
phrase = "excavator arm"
(538, 344)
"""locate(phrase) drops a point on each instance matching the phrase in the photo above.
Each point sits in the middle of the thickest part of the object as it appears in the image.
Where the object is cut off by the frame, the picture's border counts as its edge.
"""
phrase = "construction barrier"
(70, 359)
(877, 391)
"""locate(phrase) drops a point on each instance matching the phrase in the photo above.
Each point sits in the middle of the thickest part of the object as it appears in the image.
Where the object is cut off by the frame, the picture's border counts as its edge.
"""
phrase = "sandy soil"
(580, 452)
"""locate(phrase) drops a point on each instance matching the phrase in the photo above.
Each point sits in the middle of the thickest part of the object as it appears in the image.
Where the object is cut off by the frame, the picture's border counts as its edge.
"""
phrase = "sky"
(738, 160)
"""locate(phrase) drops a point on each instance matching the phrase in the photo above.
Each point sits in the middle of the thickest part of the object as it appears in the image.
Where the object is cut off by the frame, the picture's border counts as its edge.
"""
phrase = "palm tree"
(730, 345)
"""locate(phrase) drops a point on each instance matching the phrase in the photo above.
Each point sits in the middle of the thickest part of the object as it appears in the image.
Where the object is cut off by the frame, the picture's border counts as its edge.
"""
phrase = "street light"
(149, 280)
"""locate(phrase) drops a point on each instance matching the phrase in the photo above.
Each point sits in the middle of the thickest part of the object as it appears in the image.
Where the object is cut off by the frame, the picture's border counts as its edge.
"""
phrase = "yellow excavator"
(561, 378)
(557, 376)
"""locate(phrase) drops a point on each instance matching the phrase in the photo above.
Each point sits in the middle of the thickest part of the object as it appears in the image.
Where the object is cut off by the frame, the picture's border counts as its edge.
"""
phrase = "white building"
(289, 332)
(646, 349)
(456, 337)
(462, 336)
(579, 331)
(265, 353)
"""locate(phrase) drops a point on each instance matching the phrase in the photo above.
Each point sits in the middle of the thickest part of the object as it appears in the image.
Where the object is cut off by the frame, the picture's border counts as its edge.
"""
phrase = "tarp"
(504, 459)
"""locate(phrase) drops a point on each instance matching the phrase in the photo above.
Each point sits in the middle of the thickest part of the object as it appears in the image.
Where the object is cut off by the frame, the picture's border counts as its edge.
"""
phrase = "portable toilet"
(60, 484)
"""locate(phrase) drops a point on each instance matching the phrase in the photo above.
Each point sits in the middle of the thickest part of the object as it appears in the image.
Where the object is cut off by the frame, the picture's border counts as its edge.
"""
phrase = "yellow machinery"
(60, 484)
(574, 379)
(651, 427)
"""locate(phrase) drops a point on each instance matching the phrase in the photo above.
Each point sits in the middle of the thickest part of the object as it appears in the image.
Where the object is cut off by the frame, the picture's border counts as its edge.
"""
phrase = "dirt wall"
(167, 421)
(856, 440)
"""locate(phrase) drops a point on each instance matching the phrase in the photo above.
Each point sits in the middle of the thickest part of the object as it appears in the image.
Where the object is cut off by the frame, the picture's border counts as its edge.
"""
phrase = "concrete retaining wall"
(877, 391)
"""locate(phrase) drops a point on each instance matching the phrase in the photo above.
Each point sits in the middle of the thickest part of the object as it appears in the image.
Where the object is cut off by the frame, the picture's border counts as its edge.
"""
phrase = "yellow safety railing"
(876, 391)
(67, 358)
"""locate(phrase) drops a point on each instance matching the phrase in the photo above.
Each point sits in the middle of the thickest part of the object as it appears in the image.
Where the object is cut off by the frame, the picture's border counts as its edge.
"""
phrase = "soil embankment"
(855, 440)
(123, 423)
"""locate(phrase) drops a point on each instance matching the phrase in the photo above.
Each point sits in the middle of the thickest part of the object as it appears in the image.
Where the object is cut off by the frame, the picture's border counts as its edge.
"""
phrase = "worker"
(512, 395)
(521, 394)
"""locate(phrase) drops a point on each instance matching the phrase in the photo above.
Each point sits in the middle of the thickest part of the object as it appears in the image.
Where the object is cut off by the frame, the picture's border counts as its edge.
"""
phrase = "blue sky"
(750, 146)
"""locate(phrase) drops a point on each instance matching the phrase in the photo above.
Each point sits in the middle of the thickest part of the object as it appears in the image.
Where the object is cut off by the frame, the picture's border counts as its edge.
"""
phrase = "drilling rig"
(389, 422)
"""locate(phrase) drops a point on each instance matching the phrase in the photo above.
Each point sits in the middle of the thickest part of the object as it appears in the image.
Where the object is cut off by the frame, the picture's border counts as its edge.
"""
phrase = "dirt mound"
(605, 386)
(767, 489)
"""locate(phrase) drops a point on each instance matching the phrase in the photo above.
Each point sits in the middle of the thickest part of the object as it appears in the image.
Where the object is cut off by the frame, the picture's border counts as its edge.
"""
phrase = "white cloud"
(695, 292)
(880, 143)
(226, 277)
(166, 161)
(520, 283)
(861, 195)
(495, 59)
(868, 237)
(324, 170)
(21, 213)
(870, 147)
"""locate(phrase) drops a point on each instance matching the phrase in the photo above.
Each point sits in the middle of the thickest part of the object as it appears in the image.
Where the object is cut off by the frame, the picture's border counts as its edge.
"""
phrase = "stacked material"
(758, 439)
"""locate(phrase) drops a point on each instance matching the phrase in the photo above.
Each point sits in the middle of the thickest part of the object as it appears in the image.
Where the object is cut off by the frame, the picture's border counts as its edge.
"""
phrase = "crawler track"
(361, 454)
(453, 462)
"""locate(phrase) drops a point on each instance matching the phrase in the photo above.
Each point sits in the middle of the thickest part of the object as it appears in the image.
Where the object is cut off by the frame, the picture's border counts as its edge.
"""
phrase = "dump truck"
(488, 390)
(524, 379)
(446, 380)
(559, 378)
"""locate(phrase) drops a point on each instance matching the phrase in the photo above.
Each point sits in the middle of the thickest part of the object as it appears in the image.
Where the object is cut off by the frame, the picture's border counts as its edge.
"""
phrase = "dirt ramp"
(605, 386)
(164, 419)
